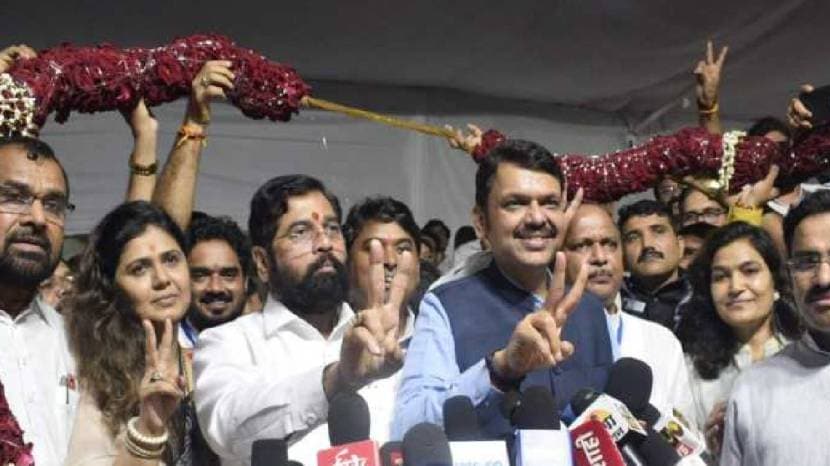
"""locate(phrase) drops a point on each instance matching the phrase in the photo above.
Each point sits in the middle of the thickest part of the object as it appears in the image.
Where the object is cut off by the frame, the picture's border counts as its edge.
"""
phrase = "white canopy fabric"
(575, 75)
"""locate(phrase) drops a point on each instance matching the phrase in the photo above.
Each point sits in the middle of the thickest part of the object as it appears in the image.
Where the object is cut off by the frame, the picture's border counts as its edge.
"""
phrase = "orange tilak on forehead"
(315, 216)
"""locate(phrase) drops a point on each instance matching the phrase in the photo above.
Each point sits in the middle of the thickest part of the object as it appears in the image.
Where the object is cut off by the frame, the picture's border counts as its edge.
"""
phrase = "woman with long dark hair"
(741, 311)
(132, 289)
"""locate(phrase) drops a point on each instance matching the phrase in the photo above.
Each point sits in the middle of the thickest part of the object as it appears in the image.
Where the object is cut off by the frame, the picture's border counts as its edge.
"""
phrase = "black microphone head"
(650, 415)
(294, 463)
(269, 452)
(537, 410)
(391, 454)
(460, 419)
(426, 445)
(582, 399)
(348, 419)
(630, 381)
(657, 451)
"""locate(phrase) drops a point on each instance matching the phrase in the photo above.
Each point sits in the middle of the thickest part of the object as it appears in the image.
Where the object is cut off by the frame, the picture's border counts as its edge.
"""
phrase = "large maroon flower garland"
(12, 448)
(691, 151)
(100, 78)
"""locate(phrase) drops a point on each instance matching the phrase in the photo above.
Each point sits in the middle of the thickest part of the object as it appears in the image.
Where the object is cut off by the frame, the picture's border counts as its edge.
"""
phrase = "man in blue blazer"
(502, 321)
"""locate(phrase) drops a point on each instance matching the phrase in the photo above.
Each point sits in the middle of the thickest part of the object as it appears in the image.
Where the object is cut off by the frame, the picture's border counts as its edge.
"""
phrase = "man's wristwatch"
(502, 384)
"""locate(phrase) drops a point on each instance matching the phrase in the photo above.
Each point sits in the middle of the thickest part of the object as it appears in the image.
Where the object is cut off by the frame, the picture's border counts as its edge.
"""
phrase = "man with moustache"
(776, 413)
(652, 250)
(507, 324)
(593, 238)
(221, 268)
(272, 374)
(36, 367)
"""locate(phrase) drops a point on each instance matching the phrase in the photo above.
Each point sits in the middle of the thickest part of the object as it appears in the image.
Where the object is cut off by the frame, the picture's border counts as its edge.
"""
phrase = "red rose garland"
(691, 151)
(12, 448)
(92, 79)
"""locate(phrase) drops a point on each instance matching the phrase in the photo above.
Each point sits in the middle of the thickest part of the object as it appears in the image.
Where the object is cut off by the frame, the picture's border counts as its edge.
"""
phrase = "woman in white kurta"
(740, 312)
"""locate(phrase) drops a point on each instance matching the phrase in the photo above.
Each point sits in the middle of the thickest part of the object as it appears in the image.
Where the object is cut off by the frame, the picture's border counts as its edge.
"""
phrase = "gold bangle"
(191, 131)
(150, 443)
(708, 111)
(751, 215)
(143, 170)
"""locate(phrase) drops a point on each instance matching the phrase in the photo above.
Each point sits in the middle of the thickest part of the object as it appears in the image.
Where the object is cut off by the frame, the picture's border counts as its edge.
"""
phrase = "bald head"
(593, 238)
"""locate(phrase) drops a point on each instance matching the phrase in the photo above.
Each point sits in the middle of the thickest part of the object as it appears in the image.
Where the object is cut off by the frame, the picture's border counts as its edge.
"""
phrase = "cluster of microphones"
(616, 428)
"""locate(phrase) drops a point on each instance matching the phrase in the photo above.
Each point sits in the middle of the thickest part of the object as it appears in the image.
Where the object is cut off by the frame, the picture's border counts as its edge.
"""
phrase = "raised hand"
(210, 82)
(536, 342)
(10, 54)
(370, 347)
(466, 142)
(162, 387)
(708, 73)
(797, 113)
(759, 193)
(570, 210)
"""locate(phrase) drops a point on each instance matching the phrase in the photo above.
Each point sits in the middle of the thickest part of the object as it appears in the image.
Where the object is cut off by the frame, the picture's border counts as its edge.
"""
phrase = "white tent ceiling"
(613, 55)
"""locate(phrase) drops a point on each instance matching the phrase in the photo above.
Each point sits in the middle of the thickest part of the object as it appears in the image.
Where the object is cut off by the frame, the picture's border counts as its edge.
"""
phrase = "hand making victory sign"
(537, 341)
(370, 347)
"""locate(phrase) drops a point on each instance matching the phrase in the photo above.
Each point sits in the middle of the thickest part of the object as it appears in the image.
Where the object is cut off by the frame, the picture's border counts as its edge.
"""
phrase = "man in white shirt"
(36, 368)
(592, 235)
(775, 414)
(272, 374)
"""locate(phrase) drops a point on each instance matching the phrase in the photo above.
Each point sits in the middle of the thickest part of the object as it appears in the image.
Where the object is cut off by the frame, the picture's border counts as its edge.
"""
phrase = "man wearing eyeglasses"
(36, 368)
(697, 207)
(777, 411)
(273, 374)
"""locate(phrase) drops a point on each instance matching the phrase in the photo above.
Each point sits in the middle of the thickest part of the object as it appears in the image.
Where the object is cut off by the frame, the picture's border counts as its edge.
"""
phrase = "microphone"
(348, 424)
(593, 445)
(426, 445)
(463, 431)
(623, 427)
(460, 419)
(391, 454)
(630, 381)
(269, 452)
(656, 451)
(348, 419)
(539, 439)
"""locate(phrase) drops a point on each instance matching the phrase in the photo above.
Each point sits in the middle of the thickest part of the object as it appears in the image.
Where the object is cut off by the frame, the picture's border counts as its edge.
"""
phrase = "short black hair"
(699, 229)
(525, 154)
(438, 230)
(644, 208)
(768, 124)
(464, 235)
(270, 203)
(205, 228)
(382, 209)
(35, 149)
(813, 204)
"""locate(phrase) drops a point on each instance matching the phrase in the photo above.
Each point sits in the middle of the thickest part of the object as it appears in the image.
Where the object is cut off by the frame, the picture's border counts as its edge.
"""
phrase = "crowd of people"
(178, 337)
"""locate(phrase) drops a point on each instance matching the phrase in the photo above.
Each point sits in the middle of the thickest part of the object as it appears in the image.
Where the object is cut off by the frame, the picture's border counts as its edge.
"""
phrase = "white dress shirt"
(661, 350)
(261, 376)
(38, 374)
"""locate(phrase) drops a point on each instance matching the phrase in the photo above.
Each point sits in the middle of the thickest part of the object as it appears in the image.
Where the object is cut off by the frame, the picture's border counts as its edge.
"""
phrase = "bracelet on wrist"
(143, 170)
(704, 110)
(501, 383)
(145, 441)
(191, 131)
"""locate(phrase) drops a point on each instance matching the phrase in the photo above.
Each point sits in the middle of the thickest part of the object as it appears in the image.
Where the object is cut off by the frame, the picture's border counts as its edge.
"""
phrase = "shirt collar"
(409, 328)
(277, 317)
(39, 309)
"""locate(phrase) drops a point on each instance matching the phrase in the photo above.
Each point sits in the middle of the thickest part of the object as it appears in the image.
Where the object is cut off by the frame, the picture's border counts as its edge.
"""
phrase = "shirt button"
(311, 419)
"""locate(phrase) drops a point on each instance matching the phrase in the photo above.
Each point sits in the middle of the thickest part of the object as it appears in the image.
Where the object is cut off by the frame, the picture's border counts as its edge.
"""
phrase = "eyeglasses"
(306, 233)
(807, 264)
(55, 208)
(711, 215)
